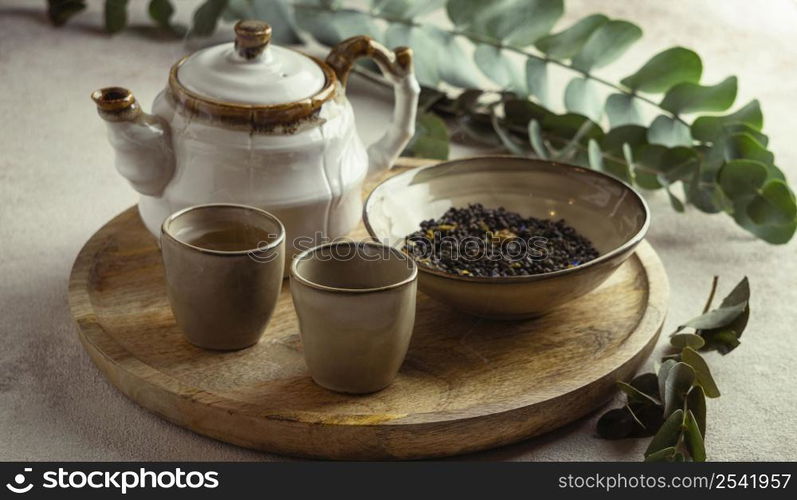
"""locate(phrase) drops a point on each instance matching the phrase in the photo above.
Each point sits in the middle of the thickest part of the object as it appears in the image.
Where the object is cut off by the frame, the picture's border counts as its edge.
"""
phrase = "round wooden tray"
(467, 384)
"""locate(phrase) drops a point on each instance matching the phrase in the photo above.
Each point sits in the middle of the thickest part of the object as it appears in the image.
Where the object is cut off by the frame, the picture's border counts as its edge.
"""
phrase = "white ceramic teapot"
(257, 124)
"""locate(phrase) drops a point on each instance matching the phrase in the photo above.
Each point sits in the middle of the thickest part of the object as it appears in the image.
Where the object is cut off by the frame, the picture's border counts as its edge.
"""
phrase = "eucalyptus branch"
(474, 38)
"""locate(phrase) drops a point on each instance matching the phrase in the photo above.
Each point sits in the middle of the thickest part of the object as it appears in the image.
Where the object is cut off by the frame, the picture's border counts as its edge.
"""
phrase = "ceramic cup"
(356, 308)
(224, 266)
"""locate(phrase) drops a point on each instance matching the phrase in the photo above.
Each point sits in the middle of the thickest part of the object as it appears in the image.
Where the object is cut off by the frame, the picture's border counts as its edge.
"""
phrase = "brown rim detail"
(261, 118)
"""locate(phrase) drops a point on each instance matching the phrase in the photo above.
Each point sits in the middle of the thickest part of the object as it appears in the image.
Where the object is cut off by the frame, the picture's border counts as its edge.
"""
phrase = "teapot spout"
(144, 154)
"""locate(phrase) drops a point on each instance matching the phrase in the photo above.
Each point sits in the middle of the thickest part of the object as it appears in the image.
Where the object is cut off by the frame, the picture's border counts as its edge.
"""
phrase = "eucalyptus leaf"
(425, 50)
(648, 418)
(595, 155)
(606, 44)
(647, 383)
(635, 395)
(161, 11)
(696, 403)
(776, 234)
(664, 371)
(669, 132)
(679, 380)
(453, 65)
(694, 439)
(707, 128)
(582, 96)
(405, 9)
(59, 11)
(519, 112)
(276, 12)
(537, 79)
(681, 340)
(567, 126)
(536, 140)
(616, 424)
(715, 319)
(666, 69)
(702, 371)
(623, 109)
(774, 205)
(206, 16)
(567, 43)
(633, 135)
(430, 139)
(115, 15)
(742, 177)
(664, 455)
(745, 146)
(691, 97)
(516, 22)
(668, 435)
(500, 69)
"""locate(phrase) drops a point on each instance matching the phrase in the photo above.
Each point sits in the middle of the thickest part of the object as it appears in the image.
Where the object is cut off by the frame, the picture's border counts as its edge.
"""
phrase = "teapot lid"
(251, 71)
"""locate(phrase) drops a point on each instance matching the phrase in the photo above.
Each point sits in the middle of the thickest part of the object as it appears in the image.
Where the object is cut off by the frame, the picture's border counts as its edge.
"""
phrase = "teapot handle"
(396, 66)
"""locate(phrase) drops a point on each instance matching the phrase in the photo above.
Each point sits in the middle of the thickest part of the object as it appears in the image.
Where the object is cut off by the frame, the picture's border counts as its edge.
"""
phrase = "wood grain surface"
(467, 384)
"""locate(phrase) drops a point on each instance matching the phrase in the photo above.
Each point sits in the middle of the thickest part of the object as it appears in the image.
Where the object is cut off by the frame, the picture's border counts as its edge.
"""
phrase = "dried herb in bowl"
(486, 242)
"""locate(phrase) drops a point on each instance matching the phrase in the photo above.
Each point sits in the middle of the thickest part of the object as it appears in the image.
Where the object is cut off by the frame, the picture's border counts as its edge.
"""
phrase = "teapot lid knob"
(251, 38)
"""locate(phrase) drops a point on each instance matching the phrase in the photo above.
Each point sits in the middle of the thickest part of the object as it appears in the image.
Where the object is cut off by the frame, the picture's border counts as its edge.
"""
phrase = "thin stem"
(499, 45)
(711, 294)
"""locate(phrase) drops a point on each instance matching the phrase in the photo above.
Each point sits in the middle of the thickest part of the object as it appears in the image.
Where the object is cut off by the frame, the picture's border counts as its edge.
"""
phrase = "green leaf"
(430, 139)
(669, 164)
(702, 371)
(515, 146)
(498, 68)
(716, 318)
(519, 112)
(535, 138)
(696, 402)
(424, 47)
(582, 96)
(666, 69)
(669, 132)
(694, 439)
(567, 43)
(742, 177)
(635, 395)
(115, 15)
(664, 455)
(774, 205)
(664, 371)
(616, 424)
(59, 11)
(207, 16)
(679, 380)
(681, 340)
(675, 202)
(516, 22)
(453, 65)
(633, 135)
(606, 44)
(595, 155)
(745, 146)
(707, 128)
(647, 383)
(691, 97)
(568, 125)
(277, 13)
(161, 12)
(537, 79)
(622, 110)
(668, 435)
(405, 9)
(776, 234)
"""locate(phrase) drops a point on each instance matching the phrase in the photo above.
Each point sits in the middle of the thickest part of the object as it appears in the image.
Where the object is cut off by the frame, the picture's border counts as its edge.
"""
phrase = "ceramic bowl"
(608, 212)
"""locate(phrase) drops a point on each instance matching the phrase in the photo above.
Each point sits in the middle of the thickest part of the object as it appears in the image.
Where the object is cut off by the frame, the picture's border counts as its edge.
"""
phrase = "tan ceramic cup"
(224, 266)
(356, 309)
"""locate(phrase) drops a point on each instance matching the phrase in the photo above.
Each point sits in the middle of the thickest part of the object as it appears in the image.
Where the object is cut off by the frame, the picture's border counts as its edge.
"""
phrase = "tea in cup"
(224, 266)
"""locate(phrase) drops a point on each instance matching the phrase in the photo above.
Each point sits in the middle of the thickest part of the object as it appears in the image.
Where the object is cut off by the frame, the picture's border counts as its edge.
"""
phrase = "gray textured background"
(58, 186)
